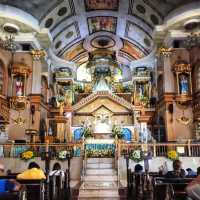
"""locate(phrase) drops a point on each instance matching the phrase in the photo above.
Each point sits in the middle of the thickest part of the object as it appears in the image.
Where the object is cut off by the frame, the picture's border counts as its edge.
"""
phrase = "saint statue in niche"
(183, 84)
(19, 87)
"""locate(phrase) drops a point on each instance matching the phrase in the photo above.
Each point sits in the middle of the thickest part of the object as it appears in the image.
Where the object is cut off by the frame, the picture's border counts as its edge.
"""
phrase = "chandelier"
(8, 42)
(193, 40)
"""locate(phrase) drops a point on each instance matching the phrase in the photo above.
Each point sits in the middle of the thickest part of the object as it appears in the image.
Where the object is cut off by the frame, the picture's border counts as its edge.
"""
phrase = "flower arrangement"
(117, 132)
(60, 98)
(136, 155)
(64, 154)
(100, 153)
(87, 133)
(27, 155)
(172, 155)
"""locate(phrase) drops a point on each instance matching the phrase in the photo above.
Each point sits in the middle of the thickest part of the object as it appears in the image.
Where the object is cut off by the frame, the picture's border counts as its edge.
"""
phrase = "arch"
(160, 85)
(127, 134)
(44, 88)
(159, 130)
(78, 133)
(42, 129)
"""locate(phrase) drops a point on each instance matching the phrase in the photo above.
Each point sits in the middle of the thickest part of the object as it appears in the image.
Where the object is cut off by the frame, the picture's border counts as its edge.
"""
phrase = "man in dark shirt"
(177, 172)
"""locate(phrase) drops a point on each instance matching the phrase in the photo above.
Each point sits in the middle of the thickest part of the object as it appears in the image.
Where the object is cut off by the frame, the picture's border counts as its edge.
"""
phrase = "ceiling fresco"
(66, 38)
(92, 5)
(131, 50)
(75, 51)
(139, 37)
(102, 23)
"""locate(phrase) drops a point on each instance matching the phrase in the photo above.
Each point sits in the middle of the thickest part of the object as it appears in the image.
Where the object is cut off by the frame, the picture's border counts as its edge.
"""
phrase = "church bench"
(174, 188)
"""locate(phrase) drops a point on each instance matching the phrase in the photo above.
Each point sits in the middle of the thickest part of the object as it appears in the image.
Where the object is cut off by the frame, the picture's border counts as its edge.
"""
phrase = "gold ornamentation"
(165, 51)
(18, 102)
(182, 67)
(184, 120)
(19, 120)
(20, 69)
(38, 54)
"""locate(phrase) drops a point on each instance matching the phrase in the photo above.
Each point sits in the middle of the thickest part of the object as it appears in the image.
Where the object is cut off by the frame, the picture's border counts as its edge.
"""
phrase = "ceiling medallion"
(102, 42)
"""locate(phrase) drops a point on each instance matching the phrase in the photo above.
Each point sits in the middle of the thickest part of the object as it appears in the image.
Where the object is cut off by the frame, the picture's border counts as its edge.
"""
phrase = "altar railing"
(188, 149)
(13, 150)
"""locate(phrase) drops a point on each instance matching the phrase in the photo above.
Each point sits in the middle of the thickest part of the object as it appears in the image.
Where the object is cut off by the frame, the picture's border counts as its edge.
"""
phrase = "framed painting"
(102, 23)
(91, 5)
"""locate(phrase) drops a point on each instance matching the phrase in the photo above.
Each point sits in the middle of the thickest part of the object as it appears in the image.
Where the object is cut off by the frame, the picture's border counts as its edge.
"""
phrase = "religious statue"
(183, 83)
(19, 87)
(141, 91)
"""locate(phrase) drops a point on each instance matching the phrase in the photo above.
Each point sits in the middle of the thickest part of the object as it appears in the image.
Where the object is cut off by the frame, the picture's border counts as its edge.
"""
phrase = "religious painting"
(132, 50)
(101, 5)
(74, 51)
(102, 23)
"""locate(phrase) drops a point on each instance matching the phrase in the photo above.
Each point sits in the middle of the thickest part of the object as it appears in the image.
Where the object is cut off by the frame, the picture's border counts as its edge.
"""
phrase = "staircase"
(100, 180)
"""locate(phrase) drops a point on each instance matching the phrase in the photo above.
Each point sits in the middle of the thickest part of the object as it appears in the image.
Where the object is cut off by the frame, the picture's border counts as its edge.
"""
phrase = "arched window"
(1, 79)
(44, 88)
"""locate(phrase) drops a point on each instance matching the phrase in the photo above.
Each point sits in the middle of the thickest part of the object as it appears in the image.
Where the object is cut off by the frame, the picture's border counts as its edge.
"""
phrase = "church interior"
(99, 99)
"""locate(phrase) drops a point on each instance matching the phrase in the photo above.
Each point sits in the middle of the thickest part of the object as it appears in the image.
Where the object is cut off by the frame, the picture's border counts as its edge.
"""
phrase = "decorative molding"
(96, 95)
(38, 54)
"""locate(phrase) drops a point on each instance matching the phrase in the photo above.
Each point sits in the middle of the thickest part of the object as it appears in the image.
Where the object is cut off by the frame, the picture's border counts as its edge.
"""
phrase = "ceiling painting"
(102, 23)
(92, 5)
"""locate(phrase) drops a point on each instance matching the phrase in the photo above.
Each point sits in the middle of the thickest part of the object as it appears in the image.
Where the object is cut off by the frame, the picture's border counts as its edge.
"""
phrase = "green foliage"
(100, 153)
(87, 133)
(117, 132)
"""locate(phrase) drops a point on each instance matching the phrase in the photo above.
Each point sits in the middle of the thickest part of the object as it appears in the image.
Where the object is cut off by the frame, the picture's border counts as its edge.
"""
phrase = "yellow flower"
(173, 155)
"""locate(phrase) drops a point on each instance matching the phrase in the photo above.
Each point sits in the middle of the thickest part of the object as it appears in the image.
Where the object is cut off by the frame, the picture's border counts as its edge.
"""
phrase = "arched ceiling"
(80, 26)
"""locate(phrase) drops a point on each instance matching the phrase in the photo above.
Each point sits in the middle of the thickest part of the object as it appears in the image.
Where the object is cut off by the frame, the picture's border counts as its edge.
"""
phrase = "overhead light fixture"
(193, 40)
(8, 42)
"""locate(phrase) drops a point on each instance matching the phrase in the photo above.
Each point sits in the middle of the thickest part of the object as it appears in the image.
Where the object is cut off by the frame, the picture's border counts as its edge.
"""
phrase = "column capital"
(38, 54)
(165, 52)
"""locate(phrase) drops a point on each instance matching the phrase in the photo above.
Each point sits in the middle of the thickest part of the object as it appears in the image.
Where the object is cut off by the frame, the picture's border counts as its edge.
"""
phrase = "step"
(98, 193)
(99, 185)
(101, 172)
(99, 166)
(100, 160)
(100, 178)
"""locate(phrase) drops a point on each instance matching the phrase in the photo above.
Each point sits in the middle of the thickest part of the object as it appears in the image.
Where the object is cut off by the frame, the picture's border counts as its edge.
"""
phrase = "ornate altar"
(19, 73)
(182, 71)
(142, 86)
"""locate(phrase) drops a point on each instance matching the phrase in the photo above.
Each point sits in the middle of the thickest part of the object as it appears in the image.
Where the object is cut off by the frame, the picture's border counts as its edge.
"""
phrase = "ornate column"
(35, 96)
(168, 75)
(169, 90)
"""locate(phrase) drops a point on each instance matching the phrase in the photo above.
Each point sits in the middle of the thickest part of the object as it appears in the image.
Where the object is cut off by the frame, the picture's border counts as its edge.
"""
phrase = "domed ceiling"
(80, 26)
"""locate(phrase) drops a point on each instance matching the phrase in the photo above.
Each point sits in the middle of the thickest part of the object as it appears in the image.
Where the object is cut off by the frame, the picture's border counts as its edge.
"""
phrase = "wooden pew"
(174, 188)
(12, 195)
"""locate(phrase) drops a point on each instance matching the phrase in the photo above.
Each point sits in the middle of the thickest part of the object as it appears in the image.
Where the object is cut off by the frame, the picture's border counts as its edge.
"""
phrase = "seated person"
(33, 165)
(57, 170)
(32, 173)
(138, 169)
(177, 172)
(8, 185)
(193, 189)
(198, 171)
(191, 173)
